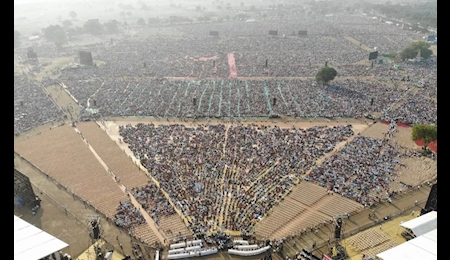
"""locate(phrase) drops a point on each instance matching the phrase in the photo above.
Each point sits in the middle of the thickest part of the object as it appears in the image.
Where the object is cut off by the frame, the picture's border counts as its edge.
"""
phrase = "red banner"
(325, 257)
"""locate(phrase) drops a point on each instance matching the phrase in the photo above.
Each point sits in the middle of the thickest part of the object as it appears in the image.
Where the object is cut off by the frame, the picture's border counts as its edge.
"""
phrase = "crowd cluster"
(128, 216)
(303, 98)
(153, 201)
(32, 105)
(246, 169)
(361, 171)
(124, 88)
(415, 109)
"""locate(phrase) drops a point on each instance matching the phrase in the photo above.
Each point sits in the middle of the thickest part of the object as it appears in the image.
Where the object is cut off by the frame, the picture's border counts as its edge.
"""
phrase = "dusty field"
(417, 171)
(377, 130)
(403, 138)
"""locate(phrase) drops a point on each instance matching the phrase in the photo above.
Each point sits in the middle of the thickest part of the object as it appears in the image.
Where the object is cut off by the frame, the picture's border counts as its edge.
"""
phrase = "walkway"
(232, 66)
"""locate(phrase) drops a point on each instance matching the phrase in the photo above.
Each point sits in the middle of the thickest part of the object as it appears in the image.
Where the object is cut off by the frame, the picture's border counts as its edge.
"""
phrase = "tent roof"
(32, 243)
(423, 247)
(422, 224)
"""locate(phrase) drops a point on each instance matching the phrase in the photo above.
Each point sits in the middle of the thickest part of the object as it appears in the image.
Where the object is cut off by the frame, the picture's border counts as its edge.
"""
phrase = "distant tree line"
(62, 34)
(424, 13)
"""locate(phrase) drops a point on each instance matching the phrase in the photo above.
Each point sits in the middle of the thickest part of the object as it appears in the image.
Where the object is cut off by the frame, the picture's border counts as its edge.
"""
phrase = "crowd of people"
(346, 98)
(126, 88)
(32, 105)
(153, 201)
(361, 171)
(241, 171)
(201, 167)
(128, 216)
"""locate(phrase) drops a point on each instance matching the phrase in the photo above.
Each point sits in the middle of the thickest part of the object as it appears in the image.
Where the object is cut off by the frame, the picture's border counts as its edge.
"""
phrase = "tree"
(325, 75)
(414, 48)
(141, 21)
(71, 33)
(73, 14)
(153, 20)
(16, 38)
(67, 23)
(93, 26)
(56, 34)
(111, 26)
(427, 133)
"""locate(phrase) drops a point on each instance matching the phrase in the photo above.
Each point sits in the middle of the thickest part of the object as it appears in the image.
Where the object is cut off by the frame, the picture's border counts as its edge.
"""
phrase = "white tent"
(423, 247)
(32, 243)
(422, 224)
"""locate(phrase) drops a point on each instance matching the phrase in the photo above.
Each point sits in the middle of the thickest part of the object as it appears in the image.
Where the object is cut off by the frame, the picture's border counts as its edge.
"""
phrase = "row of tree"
(415, 49)
(423, 13)
(61, 34)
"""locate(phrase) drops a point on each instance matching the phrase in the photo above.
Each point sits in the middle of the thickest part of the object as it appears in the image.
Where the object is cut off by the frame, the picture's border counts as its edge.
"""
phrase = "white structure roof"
(32, 243)
(422, 224)
(423, 247)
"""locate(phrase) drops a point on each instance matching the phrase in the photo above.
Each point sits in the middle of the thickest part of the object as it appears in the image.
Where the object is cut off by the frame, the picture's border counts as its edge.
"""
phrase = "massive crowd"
(124, 88)
(343, 98)
(361, 171)
(32, 105)
(245, 168)
(201, 167)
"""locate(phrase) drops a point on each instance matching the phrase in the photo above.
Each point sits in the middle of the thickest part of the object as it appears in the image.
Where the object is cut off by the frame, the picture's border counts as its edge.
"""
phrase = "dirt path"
(358, 43)
(64, 100)
(232, 66)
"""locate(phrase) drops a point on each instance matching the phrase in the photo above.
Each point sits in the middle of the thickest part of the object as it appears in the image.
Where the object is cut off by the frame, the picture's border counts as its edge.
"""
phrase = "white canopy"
(422, 224)
(423, 247)
(32, 243)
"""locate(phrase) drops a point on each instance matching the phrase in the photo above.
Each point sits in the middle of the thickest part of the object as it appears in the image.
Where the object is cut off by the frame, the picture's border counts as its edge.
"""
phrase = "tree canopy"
(141, 22)
(427, 133)
(325, 75)
(111, 26)
(67, 23)
(93, 26)
(56, 34)
(73, 14)
(424, 13)
(415, 48)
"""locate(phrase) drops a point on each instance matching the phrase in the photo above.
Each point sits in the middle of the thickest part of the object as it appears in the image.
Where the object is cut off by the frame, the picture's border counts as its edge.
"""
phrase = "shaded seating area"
(279, 216)
(144, 234)
(121, 166)
(368, 239)
(174, 227)
(336, 204)
(307, 193)
(72, 165)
